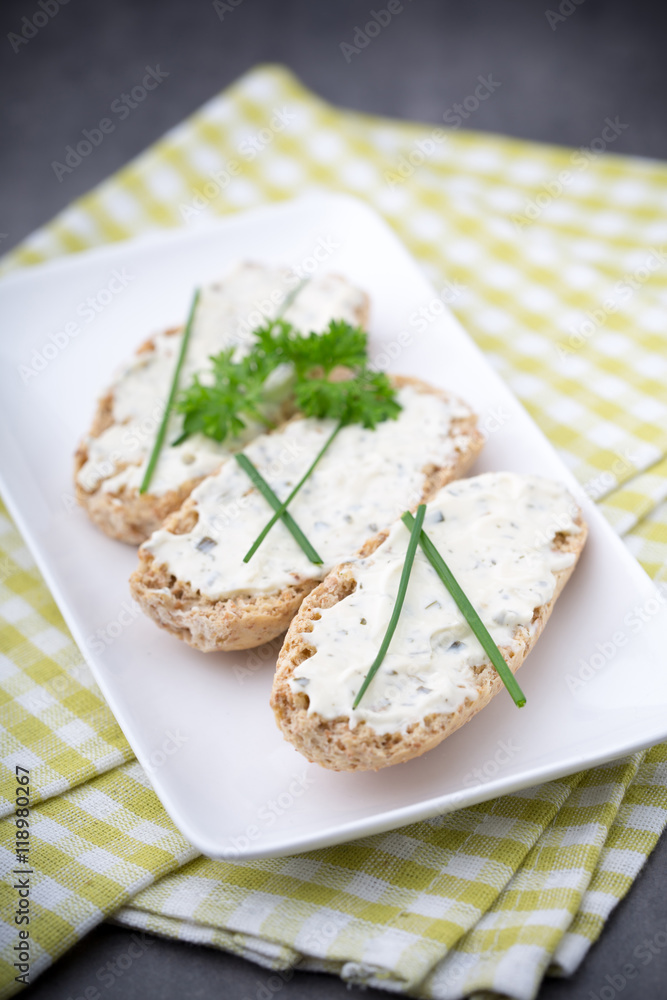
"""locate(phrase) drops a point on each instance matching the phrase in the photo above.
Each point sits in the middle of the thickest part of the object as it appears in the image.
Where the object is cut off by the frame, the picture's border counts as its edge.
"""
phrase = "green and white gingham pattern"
(91, 849)
(54, 720)
(566, 294)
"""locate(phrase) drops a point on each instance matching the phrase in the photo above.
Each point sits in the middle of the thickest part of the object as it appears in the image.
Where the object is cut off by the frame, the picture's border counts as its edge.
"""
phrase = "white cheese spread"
(226, 316)
(495, 532)
(363, 482)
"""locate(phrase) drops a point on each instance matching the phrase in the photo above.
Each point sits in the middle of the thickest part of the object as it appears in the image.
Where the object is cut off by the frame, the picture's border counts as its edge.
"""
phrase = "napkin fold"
(555, 261)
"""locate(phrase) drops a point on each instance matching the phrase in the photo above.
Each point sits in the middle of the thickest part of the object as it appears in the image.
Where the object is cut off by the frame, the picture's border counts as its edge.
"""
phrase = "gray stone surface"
(558, 84)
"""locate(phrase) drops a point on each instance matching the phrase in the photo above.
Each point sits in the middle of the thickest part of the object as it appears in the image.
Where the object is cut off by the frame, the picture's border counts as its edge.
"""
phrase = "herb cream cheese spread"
(363, 482)
(496, 532)
(227, 313)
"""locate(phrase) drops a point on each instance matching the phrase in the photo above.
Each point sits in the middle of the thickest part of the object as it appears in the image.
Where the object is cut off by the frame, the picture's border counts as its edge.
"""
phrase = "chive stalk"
(398, 605)
(162, 429)
(285, 504)
(271, 498)
(289, 298)
(467, 610)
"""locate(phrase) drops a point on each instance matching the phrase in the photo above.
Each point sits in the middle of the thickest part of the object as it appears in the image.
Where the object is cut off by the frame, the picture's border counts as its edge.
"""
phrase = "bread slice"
(245, 619)
(333, 742)
(111, 459)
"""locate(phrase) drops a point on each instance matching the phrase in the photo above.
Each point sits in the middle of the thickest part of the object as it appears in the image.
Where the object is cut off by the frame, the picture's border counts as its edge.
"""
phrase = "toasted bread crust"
(127, 515)
(331, 742)
(246, 621)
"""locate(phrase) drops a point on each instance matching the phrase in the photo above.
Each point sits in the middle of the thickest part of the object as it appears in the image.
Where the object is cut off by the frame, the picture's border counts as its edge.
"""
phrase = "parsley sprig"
(341, 344)
(358, 396)
(330, 379)
(218, 403)
(215, 417)
(365, 400)
(233, 391)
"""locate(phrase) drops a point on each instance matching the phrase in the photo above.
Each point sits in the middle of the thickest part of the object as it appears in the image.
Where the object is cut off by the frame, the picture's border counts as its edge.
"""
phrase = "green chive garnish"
(162, 429)
(289, 299)
(268, 494)
(400, 597)
(468, 612)
(285, 504)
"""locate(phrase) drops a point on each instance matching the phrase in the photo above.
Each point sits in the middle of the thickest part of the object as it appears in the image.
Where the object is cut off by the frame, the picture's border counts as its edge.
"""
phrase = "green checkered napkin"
(564, 287)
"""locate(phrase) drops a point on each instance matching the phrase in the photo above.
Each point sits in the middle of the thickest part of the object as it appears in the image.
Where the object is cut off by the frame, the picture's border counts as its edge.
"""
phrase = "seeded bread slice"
(125, 514)
(246, 621)
(330, 742)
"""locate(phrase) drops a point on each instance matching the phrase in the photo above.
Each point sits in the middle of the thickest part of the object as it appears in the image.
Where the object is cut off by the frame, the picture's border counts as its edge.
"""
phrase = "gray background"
(607, 58)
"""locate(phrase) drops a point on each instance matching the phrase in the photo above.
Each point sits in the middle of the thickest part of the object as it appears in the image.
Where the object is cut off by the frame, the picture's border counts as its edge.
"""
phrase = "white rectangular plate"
(201, 724)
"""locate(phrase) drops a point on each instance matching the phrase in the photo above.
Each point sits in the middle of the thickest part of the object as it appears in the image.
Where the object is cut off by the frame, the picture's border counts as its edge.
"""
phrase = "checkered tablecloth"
(559, 262)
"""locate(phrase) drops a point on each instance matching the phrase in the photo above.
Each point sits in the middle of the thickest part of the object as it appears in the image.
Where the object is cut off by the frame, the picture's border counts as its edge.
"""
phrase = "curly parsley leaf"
(367, 399)
(234, 392)
(331, 380)
(341, 344)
